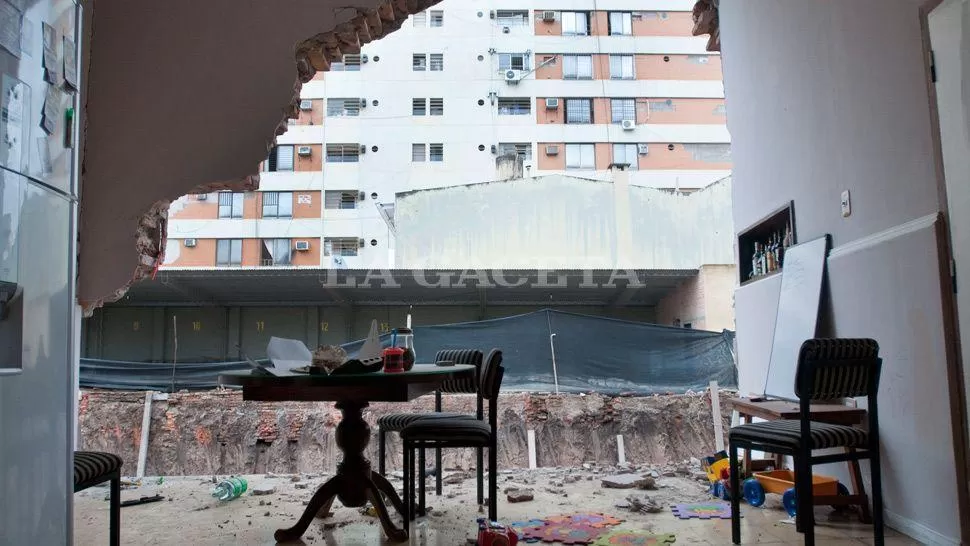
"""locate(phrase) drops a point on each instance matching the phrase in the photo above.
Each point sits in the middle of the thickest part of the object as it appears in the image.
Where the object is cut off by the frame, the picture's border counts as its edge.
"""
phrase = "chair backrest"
(837, 368)
(491, 377)
(461, 356)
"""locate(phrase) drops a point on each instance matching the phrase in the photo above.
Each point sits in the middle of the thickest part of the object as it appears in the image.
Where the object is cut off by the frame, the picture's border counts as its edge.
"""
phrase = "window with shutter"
(437, 18)
(436, 107)
(419, 62)
(622, 109)
(621, 67)
(343, 153)
(284, 158)
(417, 153)
(419, 107)
(229, 252)
(277, 204)
(436, 152)
(514, 106)
(230, 204)
(437, 62)
(340, 199)
(621, 23)
(340, 246)
(579, 110)
(580, 156)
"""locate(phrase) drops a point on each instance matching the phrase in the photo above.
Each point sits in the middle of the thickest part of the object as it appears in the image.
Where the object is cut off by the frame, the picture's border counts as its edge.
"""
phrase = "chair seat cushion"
(787, 434)
(89, 465)
(396, 422)
(471, 432)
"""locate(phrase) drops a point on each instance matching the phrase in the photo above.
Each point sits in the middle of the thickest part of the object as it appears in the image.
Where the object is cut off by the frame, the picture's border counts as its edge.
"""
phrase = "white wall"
(827, 96)
(558, 221)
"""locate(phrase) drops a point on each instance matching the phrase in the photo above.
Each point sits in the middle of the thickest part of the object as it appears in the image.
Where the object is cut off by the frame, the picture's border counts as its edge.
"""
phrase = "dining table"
(355, 482)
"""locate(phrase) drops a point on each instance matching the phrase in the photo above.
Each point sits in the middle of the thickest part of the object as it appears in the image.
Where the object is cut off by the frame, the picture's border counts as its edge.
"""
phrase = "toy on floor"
(493, 533)
(718, 468)
(592, 519)
(782, 482)
(702, 510)
(564, 532)
(633, 538)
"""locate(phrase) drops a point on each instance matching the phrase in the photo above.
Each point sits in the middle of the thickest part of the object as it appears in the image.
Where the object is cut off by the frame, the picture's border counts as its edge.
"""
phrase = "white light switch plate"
(846, 204)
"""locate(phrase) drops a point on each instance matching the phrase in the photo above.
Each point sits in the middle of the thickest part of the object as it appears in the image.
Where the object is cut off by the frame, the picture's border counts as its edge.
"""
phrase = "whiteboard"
(803, 270)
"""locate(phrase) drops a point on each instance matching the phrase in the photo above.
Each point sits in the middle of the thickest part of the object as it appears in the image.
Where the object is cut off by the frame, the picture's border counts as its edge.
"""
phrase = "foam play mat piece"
(623, 537)
(564, 532)
(702, 510)
(520, 526)
(593, 519)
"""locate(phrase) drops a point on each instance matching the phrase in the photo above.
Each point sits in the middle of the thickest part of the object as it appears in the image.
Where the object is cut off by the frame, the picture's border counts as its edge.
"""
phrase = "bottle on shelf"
(770, 256)
(756, 261)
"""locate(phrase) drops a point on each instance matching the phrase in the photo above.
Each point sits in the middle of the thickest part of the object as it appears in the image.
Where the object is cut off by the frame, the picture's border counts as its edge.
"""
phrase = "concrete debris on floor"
(192, 516)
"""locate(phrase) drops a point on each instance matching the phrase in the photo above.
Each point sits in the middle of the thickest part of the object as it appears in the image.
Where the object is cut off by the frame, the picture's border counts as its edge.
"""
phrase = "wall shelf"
(772, 227)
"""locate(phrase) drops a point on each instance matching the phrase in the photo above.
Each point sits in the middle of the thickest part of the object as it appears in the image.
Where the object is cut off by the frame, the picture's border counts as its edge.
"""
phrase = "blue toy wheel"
(753, 492)
(789, 501)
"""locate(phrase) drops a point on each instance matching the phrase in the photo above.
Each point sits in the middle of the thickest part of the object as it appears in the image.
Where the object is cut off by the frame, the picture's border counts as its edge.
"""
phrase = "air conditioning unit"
(512, 77)
(552, 104)
(304, 150)
(202, 197)
(494, 149)
(189, 243)
(363, 103)
(302, 246)
(360, 243)
(552, 150)
(361, 196)
(306, 105)
(643, 149)
(548, 16)
(506, 30)
(363, 149)
(628, 124)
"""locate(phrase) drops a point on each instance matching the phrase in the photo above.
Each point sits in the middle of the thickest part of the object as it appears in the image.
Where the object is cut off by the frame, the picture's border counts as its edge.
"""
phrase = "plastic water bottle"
(230, 488)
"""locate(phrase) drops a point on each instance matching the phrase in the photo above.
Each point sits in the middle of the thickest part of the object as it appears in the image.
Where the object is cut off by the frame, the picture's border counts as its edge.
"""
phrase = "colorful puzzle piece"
(520, 526)
(702, 510)
(564, 532)
(596, 520)
(633, 538)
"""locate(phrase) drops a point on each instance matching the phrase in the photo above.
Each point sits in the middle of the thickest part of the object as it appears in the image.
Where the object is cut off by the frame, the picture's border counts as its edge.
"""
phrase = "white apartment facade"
(572, 90)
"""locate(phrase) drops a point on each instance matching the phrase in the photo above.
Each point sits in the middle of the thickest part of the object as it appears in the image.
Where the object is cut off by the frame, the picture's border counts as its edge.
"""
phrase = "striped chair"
(444, 432)
(92, 468)
(395, 422)
(828, 369)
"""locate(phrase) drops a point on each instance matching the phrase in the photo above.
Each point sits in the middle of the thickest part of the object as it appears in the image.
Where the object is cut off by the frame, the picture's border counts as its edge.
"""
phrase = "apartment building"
(572, 88)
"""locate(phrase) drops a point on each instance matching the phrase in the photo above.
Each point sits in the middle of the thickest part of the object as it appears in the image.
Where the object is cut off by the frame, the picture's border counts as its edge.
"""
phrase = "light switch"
(846, 204)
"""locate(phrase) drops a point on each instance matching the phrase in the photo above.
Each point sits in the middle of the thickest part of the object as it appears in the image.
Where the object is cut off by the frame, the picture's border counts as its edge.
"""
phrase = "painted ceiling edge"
(312, 55)
(705, 14)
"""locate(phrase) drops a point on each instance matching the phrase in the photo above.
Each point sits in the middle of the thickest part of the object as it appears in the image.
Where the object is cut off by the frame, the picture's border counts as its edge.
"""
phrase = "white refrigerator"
(39, 98)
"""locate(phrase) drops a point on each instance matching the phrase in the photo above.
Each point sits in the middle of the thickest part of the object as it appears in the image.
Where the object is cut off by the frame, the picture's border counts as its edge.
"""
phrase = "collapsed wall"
(216, 432)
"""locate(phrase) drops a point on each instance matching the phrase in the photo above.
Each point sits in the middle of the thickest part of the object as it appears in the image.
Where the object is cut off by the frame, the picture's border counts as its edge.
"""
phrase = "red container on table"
(393, 360)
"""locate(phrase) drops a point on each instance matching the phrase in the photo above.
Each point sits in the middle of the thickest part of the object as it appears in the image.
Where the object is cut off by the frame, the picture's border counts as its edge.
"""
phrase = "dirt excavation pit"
(217, 433)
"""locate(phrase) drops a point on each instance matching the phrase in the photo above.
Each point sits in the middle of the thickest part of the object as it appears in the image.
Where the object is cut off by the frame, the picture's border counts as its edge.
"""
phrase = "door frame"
(951, 320)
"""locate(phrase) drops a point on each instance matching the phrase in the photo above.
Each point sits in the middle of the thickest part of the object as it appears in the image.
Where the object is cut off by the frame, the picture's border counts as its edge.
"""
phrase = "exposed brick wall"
(216, 432)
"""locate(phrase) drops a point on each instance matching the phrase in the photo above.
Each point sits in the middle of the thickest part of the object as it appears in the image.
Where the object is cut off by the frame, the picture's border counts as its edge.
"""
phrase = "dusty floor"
(189, 515)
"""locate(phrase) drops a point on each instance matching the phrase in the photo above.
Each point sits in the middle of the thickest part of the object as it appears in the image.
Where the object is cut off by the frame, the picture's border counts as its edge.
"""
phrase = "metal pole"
(552, 349)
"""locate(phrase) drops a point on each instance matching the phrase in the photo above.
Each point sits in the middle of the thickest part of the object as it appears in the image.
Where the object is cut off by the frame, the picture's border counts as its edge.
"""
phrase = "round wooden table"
(355, 482)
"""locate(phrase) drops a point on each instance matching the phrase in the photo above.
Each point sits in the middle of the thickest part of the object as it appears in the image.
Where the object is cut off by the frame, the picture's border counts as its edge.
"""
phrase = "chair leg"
(875, 469)
(422, 479)
(492, 482)
(380, 451)
(735, 495)
(406, 498)
(804, 495)
(480, 476)
(114, 524)
(438, 471)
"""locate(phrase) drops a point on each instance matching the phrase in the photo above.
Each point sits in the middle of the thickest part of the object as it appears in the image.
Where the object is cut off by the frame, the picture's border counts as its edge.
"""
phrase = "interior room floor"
(189, 515)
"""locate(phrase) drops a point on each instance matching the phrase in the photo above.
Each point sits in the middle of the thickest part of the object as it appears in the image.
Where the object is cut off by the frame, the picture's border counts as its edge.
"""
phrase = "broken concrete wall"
(216, 432)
